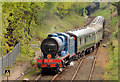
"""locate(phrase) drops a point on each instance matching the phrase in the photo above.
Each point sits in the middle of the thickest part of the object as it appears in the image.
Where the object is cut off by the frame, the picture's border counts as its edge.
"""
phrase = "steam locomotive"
(60, 48)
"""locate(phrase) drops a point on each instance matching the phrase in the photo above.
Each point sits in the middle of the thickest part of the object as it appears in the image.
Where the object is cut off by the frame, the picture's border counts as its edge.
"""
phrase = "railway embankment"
(110, 40)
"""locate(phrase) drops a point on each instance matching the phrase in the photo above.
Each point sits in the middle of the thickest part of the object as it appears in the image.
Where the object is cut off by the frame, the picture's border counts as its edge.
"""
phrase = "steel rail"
(38, 77)
(54, 77)
(80, 64)
(93, 66)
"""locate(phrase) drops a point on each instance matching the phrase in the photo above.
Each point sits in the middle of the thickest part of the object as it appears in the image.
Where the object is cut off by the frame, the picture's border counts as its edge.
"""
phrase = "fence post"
(19, 47)
(0, 65)
(1, 57)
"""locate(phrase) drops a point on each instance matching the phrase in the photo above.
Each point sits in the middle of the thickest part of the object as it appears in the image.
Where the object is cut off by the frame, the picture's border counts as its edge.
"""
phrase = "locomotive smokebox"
(49, 46)
(52, 45)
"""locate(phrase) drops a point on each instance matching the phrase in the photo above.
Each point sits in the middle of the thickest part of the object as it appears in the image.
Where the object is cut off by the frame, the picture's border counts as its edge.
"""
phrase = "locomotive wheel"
(98, 44)
(86, 52)
(89, 50)
(57, 70)
(93, 48)
(68, 62)
(44, 71)
(82, 54)
(74, 58)
(63, 64)
(78, 56)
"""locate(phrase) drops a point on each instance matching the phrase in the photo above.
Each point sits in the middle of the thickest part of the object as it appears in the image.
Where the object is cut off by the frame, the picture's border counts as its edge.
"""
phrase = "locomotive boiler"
(52, 45)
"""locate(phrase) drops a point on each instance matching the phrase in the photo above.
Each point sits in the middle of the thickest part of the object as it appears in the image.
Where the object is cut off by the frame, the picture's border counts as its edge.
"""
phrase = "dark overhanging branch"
(113, 4)
(117, 5)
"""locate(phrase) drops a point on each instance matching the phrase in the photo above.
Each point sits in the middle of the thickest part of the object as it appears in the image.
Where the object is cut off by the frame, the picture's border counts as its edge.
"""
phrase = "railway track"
(44, 77)
(49, 77)
(80, 65)
(93, 66)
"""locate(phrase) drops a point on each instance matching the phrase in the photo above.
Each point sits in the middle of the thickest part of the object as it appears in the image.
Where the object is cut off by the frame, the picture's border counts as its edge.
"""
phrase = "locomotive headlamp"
(49, 56)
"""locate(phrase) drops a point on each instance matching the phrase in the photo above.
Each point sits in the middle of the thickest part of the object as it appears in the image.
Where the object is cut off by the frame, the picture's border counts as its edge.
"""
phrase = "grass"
(113, 23)
(27, 53)
(103, 12)
(112, 67)
(67, 23)
(32, 71)
(103, 4)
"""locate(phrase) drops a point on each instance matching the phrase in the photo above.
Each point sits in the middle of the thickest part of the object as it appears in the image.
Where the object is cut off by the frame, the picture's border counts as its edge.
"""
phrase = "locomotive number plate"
(50, 60)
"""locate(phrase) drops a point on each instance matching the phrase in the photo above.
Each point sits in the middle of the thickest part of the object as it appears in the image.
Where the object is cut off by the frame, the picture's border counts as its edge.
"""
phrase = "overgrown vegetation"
(32, 71)
(112, 67)
(112, 47)
(103, 11)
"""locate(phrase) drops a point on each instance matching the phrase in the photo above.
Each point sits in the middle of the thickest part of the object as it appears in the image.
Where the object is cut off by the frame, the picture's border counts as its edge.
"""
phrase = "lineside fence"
(9, 58)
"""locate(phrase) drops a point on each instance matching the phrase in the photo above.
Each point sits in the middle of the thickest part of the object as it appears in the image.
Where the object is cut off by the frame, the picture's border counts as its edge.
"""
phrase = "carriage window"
(90, 35)
(66, 38)
(80, 40)
(85, 39)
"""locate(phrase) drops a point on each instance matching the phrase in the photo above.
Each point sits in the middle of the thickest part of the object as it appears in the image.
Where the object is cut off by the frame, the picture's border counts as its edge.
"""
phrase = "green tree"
(64, 8)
